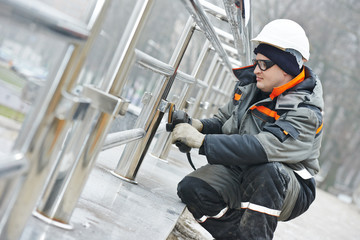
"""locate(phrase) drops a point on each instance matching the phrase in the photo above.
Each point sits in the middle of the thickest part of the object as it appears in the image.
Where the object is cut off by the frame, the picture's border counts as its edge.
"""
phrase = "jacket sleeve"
(234, 149)
(299, 130)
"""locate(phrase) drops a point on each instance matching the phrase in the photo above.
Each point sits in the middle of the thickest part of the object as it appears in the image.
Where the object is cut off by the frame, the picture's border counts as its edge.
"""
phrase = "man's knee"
(200, 198)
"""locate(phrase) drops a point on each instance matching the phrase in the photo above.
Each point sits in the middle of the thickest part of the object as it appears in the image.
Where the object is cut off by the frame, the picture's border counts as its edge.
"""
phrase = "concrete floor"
(110, 208)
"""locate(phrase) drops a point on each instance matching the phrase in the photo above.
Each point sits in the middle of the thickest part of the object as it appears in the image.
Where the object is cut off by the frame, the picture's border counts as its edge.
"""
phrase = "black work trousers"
(234, 203)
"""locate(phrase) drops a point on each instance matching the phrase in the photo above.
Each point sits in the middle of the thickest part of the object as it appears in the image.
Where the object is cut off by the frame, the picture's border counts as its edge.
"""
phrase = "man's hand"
(188, 135)
(196, 123)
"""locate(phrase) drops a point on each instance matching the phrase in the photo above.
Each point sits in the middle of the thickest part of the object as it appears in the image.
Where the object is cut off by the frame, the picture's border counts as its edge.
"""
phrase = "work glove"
(197, 124)
(188, 135)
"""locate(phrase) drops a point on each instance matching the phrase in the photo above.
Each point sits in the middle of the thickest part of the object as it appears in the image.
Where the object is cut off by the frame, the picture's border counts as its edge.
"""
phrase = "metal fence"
(67, 125)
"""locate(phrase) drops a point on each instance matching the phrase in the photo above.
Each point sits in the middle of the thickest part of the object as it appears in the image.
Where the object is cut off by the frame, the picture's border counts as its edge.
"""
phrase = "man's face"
(271, 77)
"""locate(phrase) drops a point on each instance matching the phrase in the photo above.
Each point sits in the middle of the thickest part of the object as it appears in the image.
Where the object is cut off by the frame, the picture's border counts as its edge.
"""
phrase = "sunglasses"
(263, 64)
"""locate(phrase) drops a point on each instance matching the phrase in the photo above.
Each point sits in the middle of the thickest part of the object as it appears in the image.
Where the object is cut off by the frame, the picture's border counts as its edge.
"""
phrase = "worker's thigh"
(225, 180)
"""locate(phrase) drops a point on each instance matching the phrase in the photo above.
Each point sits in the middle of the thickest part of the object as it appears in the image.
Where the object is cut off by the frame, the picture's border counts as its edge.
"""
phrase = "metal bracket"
(106, 102)
(72, 107)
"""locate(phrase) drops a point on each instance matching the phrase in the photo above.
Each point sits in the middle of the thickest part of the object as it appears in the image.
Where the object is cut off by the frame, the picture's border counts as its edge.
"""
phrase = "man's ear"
(287, 76)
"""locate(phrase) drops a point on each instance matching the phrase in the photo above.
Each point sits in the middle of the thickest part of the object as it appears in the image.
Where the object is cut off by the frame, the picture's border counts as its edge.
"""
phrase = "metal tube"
(135, 152)
(209, 78)
(116, 139)
(68, 179)
(119, 138)
(231, 12)
(124, 56)
(59, 202)
(49, 17)
(46, 140)
(239, 17)
(200, 17)
(11, 176)
(41, 156)
(153, 64)
(162, 147)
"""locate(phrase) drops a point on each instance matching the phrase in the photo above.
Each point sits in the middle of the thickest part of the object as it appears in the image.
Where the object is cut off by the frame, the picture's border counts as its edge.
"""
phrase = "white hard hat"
(285, 34)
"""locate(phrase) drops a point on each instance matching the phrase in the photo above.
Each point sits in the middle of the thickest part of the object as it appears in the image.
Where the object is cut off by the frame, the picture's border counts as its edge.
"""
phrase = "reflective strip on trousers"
(261, 209)
(219, 215)
(303, 173)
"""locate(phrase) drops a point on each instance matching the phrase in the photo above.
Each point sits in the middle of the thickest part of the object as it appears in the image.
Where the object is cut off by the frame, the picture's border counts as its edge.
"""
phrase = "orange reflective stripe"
(237, 96)
(279, 90)
(266, 111)
(171, 111)
(319, 129)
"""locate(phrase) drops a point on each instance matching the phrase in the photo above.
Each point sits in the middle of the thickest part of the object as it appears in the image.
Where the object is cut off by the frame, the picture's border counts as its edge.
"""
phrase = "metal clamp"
(72, 107)
(106, 102)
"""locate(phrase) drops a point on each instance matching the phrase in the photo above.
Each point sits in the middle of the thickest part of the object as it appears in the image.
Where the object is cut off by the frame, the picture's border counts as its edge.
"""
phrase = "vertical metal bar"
(124, 56)
(210, 78)
(60, 198)
(43, 148)
(200, 17)
(162, 146)
(12, 170)
(208, 96)
(135, 152)
(40, 155)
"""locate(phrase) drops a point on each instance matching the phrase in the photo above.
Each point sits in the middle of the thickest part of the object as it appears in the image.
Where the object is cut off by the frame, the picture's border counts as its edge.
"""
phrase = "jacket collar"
(303, 81)
(295, 81)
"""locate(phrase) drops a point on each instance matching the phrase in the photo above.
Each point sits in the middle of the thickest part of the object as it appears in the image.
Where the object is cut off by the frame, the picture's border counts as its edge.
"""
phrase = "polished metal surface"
(62, 193)
(240, 22)
(198, 13)
(38, 143)
(135, 152)
(105, 102)
(12, 170)
(119, 138)
(63, 137)
(153, 64)
(43, 147)
(69, 176)
(49, 17)
(208, 79)
(163, 143)
(124, 56)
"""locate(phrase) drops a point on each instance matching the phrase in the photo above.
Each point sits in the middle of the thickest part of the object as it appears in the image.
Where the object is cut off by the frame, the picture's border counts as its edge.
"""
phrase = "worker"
(263, 146)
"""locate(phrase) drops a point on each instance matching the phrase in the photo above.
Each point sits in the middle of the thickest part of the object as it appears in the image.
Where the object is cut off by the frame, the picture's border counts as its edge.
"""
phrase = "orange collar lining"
(279, 90)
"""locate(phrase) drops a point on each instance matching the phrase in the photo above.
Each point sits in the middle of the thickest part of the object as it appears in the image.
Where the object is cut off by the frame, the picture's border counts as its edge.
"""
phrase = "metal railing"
(74, 119)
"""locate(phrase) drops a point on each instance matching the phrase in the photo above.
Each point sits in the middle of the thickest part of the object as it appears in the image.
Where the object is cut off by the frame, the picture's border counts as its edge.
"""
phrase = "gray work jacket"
(285, 126)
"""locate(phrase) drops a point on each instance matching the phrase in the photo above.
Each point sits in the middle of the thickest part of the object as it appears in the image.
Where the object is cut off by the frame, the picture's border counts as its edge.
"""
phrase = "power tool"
(175, 117)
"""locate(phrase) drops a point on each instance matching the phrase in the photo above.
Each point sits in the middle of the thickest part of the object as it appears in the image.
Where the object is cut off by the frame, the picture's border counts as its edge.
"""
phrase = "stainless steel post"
(210, 78)
(69, 177)
(43, 145)
(163, 144)
(197, 11)
(11, 175)
(40, 149)
(135, 152)
(61, 196)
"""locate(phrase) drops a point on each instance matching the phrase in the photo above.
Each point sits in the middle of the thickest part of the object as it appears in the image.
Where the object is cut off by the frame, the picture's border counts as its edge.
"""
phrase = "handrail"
(13, 166)
(198, 13)
(51, 18)
(153, 64)
(119, 138)
(239, 17)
